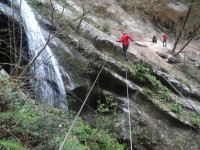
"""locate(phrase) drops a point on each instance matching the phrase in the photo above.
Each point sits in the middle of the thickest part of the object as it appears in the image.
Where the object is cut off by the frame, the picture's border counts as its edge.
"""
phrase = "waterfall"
(9, 12)
(47, 82)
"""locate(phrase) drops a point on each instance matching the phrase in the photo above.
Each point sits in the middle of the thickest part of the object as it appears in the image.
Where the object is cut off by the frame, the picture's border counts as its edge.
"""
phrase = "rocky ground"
(155, 125)
(142, 32)
(161, 117)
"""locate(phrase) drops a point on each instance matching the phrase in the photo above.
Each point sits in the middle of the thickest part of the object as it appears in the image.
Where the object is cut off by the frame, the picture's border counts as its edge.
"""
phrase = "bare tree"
(183, 26)
(195, 32)
(33, 59)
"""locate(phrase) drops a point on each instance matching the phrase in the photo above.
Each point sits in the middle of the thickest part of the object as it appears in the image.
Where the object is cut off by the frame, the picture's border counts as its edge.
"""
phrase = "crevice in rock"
(9, 44)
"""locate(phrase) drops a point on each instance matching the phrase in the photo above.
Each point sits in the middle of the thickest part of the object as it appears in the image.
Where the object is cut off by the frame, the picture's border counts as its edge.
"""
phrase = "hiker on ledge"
(125, 43)
(164, 40)
(154, 39)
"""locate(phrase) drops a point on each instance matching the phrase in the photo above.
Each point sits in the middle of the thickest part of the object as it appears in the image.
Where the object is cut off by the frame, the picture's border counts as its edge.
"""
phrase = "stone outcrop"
(154, 124)
(174, 59)
(3, 73)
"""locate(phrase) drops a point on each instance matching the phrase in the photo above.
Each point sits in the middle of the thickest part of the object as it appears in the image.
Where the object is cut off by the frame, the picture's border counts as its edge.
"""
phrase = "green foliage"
(195, 119)
(26, 120)
(96, 139)
(128, 5)
(153, 86)
(149, 91)
(102, 107)
(141, 69)
(33, 123)
(37, 4)
(11, 145)
(109, 106)
(5, 84)
(74, 145)
(44, 127)
(176, 107)
(93, 23)
(106, 28)
(84, 133)
(9, 96)
(186, 82)
(163, 69)
(165, 94)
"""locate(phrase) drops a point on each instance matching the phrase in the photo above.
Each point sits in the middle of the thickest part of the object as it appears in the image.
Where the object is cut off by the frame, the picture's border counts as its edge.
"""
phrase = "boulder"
(140, 44)
(3, 73)
(162, 54)
(176, 85)
(192, 56)
(174, 59)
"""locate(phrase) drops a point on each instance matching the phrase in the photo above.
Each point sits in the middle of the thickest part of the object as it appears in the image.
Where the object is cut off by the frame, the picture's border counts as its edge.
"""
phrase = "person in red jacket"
(164, 40)
(125, 43)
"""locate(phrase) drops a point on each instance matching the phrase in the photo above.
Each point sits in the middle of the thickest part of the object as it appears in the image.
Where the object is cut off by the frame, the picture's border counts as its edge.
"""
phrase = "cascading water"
(9, 12)
(47, 82)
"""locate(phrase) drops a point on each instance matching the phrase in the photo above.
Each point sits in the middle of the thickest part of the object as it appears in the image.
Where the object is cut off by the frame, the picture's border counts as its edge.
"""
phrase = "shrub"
(106, 28)
(44, 127)
(153, 86)
(195, 119)
(176, 107)
(109, 106)
(96, 139)
(11, 145)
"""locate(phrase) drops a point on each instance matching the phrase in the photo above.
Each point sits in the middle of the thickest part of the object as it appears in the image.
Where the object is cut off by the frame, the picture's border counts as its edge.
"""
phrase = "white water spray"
(47, 82)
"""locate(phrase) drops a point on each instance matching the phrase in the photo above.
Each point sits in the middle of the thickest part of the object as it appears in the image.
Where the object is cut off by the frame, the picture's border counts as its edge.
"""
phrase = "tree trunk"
(20, 47)
(14, 41)
(183, 26)
(10, 43)
(189, 40)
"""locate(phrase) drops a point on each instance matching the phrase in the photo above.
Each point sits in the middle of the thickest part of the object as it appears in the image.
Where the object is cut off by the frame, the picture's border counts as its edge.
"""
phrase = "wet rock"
(177, 86)
(140, 44)
(3, 73)
(189, 104)
(103, 43)
(192, 56)
(174, 59)
(162, 54)
(178, 6)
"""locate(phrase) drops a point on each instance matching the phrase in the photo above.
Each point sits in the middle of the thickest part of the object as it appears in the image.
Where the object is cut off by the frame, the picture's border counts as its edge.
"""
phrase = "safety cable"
(80, 100)
(67, 134)
(181, 95)
(129, 112)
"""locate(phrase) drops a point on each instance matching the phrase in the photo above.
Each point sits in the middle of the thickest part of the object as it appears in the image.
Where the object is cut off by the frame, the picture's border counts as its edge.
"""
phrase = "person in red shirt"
(164, 40)
(125, 43)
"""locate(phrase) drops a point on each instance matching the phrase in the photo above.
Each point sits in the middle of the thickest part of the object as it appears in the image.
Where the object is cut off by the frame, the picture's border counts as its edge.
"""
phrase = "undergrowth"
(42, 127)
(194, 117)
(154, 88)
(151, 85)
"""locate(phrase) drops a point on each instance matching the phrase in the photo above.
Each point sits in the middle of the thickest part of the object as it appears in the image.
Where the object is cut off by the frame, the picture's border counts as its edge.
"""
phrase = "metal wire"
(67, 134)
(129, 112)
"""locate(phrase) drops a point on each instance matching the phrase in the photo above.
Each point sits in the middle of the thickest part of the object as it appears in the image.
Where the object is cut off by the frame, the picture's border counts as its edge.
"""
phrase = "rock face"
(140, 44)
(177, 6)
(174, 59)
(171, 58)
(3, 72)
(171, 15)
(155, 123)
(162, 54)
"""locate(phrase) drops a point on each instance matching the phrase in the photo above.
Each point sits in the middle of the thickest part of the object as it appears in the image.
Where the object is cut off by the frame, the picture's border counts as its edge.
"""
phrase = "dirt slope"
(118, 20)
